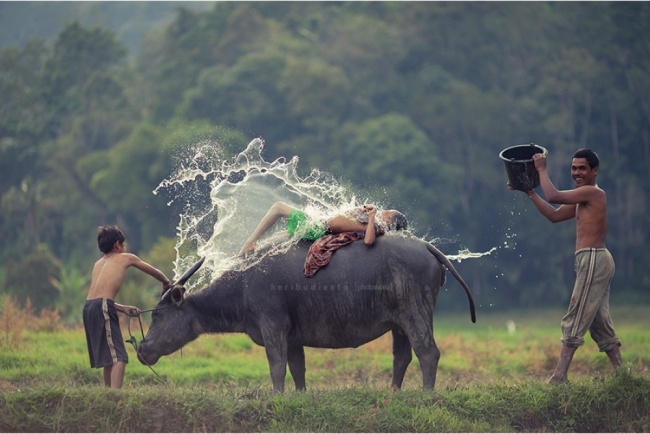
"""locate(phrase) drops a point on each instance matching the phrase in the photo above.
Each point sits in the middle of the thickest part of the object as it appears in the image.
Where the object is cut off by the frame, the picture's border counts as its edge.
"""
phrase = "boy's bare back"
(108, 274)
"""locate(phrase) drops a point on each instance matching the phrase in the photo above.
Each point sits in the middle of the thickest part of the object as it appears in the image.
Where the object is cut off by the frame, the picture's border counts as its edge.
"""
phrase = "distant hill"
(22, 20)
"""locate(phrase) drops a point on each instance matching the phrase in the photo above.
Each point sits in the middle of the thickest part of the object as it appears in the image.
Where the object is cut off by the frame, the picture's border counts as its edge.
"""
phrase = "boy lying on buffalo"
(365, 219)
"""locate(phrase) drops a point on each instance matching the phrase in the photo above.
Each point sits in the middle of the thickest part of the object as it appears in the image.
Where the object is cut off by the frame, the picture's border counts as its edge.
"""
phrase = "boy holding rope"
(103, 336)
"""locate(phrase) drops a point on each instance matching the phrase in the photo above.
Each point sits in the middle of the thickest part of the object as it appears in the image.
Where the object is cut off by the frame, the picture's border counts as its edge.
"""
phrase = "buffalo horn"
(185, 277)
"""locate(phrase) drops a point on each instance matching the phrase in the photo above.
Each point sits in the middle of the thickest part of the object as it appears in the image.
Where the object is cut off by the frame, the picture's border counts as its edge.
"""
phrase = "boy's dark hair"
(589, 155)
(398, 222)
(107, 236)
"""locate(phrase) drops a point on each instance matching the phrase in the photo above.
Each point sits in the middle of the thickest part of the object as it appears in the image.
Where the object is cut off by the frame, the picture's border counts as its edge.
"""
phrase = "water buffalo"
(363, 293)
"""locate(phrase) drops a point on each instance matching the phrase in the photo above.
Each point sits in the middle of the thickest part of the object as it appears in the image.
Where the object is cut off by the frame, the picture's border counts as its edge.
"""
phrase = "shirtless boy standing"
(594, 265)
(103, 335)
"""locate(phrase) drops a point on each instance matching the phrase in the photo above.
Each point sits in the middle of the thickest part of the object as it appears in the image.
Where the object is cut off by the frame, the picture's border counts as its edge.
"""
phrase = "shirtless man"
(103, 336)
(594, 265)
(361, 219)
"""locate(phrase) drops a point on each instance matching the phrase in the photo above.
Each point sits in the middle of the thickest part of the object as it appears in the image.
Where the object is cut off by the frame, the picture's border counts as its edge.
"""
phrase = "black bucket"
(520, 167)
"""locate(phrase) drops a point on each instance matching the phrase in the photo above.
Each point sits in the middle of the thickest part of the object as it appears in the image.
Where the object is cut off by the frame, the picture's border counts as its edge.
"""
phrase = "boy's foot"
(562, 368)
(615, 357)
(557, 380)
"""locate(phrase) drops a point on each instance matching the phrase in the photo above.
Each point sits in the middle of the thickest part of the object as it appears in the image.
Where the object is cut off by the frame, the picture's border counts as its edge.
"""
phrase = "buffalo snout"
(146, 358)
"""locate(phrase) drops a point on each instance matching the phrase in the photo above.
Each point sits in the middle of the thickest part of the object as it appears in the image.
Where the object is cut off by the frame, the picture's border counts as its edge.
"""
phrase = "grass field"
(491, 377)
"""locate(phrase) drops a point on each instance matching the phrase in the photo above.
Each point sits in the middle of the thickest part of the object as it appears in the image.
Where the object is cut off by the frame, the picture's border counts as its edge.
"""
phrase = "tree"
(64, 102)
(398, 163)
(30, 278)
(317, 93)
(244, 97)
(411, 103)
(22, 112)
(72, 286)
(132, 170)
(79, 73)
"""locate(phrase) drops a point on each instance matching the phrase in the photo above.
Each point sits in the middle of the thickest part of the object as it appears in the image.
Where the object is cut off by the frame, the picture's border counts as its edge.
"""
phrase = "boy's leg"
(562, 368)
(602, 328)
(602, 331)
(592, 281)
(107, 376)
(114, 375)
(117, 375)
(279, 209)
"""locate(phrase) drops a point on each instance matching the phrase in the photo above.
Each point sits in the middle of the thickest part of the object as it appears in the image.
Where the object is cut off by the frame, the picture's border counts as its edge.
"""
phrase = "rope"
(133, 341)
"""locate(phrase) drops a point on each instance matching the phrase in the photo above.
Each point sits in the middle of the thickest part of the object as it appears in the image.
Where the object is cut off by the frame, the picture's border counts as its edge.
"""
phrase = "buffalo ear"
(178, 295)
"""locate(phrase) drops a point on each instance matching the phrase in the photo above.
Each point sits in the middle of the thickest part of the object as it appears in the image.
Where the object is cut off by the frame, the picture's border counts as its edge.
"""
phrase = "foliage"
(613, 405)
(394, 141)
(72, 286)
(15, 321)
(30, 278)
(21, 22)
(501, 347)
(409, 103)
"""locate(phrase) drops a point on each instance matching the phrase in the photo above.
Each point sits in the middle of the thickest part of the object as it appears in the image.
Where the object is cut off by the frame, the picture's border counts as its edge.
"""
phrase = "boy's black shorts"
(103, 335)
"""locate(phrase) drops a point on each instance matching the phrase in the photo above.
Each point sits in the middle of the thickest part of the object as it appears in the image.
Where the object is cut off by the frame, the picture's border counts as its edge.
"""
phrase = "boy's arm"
(127, 310)
(554, 215)
(568, 200)
(370, 235)
(149, 269)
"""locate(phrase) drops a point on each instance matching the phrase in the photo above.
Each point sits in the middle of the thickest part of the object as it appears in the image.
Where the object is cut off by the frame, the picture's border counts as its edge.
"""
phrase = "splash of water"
(226, 197)
(241, 190)
(466, 254)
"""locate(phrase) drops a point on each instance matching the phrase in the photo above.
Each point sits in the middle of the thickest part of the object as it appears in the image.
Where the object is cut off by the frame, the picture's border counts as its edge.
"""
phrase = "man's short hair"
(107, 236)
(589, 155)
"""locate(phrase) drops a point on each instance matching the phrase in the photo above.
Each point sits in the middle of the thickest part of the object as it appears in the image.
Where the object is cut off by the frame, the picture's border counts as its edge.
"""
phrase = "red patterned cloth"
(322, 249)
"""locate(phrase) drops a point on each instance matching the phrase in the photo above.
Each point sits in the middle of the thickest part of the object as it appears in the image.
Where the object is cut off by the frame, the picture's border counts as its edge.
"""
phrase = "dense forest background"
(410, 103)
